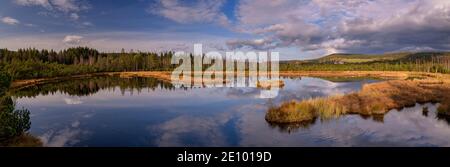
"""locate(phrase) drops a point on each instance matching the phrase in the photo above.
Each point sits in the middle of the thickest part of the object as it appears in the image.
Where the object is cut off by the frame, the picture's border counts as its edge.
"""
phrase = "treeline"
(421, 62)
(33, 63)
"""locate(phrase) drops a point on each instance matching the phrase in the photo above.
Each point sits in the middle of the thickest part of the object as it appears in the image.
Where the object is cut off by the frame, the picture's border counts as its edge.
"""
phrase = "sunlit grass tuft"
(444, 108)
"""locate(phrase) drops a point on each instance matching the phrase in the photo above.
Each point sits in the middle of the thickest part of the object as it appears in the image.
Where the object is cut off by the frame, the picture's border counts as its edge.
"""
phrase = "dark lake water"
(112, 111)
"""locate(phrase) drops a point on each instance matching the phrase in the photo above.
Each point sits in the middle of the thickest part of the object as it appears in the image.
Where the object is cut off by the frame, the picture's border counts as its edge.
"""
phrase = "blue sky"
(297, 29)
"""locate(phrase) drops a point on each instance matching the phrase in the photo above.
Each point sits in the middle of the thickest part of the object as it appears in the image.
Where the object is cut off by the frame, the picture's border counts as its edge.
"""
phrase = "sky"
(298, 29)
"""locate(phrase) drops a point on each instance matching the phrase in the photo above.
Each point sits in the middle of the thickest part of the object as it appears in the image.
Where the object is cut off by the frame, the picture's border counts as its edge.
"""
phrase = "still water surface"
(112, 111)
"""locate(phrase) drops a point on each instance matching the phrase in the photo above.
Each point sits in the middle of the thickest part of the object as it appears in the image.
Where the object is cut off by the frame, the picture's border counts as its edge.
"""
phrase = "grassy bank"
(373, 99)
(166, 75)
(366, 74)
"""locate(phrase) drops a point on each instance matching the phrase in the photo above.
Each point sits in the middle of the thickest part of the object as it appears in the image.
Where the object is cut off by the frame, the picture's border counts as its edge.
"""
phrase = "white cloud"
(70, 8)
(205, 129)
(261, 44)
(75, 124)
(263, 12)
(43, 3)
(72, 39)
(74, 16)
(61, 5)
(73, 101)
(10, 21)
(208, 11)
(64, 137)
(86, 23)
(30, 25)
(67, 5)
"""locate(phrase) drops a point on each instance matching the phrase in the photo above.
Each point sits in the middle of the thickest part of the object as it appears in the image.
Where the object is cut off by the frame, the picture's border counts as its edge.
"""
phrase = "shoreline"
(166, 75)
(400, 90)
(19, 84)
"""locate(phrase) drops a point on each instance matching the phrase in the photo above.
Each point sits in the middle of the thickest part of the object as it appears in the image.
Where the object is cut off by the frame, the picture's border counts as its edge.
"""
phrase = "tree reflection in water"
(92, 85)
(16, 123)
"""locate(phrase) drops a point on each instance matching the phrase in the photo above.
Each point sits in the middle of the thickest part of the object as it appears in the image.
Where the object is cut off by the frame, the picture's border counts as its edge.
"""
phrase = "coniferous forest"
(33, 63)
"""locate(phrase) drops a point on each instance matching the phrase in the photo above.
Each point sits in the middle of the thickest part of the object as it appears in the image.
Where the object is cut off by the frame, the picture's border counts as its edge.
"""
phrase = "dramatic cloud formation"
(201, 11)
(298, 28)
(346, 26)
(10, 21)
(68, 7)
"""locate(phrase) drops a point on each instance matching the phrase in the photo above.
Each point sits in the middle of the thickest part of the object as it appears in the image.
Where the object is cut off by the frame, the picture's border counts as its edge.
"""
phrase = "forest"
(33, 63)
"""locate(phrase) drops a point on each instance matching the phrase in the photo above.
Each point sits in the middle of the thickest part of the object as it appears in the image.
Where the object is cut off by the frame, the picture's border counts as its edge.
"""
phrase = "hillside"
(341, 58)
(360, 58)
(423, 61)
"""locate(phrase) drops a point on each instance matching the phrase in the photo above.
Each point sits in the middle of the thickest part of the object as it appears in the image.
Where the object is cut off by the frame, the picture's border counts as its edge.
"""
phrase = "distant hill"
(359, 58)
(341, 58)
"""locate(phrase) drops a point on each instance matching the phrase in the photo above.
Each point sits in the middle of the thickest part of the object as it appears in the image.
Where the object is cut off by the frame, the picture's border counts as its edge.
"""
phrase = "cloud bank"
(202, 11)
(69, 7)
(360, 26)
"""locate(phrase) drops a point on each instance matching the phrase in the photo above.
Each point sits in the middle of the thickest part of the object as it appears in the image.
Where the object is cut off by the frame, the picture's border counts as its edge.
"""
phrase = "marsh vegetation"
(76, 74)
(372, 99)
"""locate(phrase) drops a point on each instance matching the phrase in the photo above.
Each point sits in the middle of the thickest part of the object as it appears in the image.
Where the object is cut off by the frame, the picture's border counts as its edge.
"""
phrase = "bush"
(12, 123)
(5, 82)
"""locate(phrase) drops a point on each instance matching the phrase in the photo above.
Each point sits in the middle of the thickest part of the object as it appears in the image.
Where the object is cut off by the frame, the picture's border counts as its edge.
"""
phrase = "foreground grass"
(373, 99)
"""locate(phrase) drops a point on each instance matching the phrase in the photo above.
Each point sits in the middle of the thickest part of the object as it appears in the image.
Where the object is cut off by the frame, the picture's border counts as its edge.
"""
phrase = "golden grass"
(372, 74)
(290, 112)
(161, 75)
(270, 83)
(373, 99)
(444, 108)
